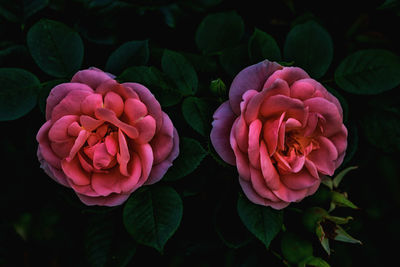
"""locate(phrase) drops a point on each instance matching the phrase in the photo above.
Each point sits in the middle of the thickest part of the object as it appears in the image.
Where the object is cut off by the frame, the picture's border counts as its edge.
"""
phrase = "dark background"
(43, 224)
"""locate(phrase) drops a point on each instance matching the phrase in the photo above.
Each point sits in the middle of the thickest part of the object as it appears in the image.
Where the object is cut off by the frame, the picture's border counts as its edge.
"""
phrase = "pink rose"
(104, 139)
(283, 131)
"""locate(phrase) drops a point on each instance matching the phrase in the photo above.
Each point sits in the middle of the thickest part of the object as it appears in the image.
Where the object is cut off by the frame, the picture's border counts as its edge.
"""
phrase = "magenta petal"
(123, 156)
(222, 124)
(70, 105)
(340, 142)
(59, 92)
(269, 172)
(250, 78)
(276, 105)
(254, 143)
(110, 201)
(271, 133)
(134, 109)
(114, 102)
(146, 128)
(54, 173)
(109, 115)
(289, 74)
(162, 143)
(74, 171)
(145, 154)
(324, 157)
(59, 130)
(91, 103)
(298, 181)
(289, 195)
(153, 106)
(259, 185)
(92, 77)
(242, 160)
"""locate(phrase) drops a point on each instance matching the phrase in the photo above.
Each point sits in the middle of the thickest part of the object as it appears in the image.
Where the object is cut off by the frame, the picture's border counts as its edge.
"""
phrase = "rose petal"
(91, 103)
(271, 133)
(324, 157)
(70, 104)
(101, 158)
(114, 102)
(162, 143)
(110, 200)
(146, 128)
(59, 92)
(250, 78)
(290, 195)
(89, 123)
(50, 170)
(298, 181)
(79, 142)
(242, 160)
(254, 143)
(109, 116)
(74, 129)
(134, 109)
(59, 130)
(92, 77)
(340, 142)
(289, 74)
(269, 172)
(276, 105)
(111, 142)
(259, 185)
(220, 132)
(123, 155)
(74, 172)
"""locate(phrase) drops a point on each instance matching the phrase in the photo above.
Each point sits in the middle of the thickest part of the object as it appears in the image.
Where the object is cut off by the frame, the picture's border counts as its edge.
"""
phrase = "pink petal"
(59, 130)
(276, 105)
(101, 158)
(324, 157)
(74, 172)
(302, 89)
(70, 105)
(271, 133)
(74, 129)
(289, 74)
(147, 128)
(91, 77)
(109, 116)
(111, 142)
(254, 143)
(114, 102)
(84, 163)
(259, 185)
(54, 173)
(250, 78)
(123, 156)
(221, 128)
(145, 154)
(340, 142)
(311, 168)
(298, 181)
(290, 195)
(255, 198)
(241, 133)
(89, 123)
(163, 141)
(159, 170)
(242, 160)
(59, 92)
(292, 123)
(134, 109)
(330, 113)
(62, 149)
(269, 172)
(91, 103)
(79, 142)
(153, 106)
(110, 200)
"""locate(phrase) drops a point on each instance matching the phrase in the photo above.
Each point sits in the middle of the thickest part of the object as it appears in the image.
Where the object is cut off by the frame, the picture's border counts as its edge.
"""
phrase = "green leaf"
(180, 71)
(310, 47)
(339, 220)
(312, 216)
(341, 200)
(369, 72)
(382, 129)
(122, 250)
(218, 88)
(264, 222)
(317, 262)
(294, 248)
(45, 91)
(31, 7)
(155, 81)
(19, 89)
(191, 153)
(133, 53)
(342, 235)
(218, 31)
(234, 59)
(323, 239)
(152, 215)
(198, 114)
(98, 239)
(56, 48)
(339, 177)
(263, 46)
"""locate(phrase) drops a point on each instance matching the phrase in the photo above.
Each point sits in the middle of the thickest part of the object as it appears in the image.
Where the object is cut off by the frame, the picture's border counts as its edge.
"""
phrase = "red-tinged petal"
(74, 129)
(109, 116)
(242, 160)
(92, 77)
(101, 158)
(298, 181)
(254, 143)
(289, 195)
(153, 106)
(292, 123)
(259, 185)
(340, 142)
(145, 154)
(269, 172)
(220, 132)
(111, 142)
(324, 157)
(134, 109)
(89, 123)
(276, 105)
(129, 184)
(255, 198)
(123, 157)
(329, 111)
(70, 105)
(74, 171)
(311, 190)
(302, 89)
(271, 133)
(91, 103)
(109, 201)
(311, 168)
(62, 149)
(159, 170)
(79, 142)
(114, 102)
(250, 78)
(288, 74)
(59, 130)
(84, 163)
(241, 132)
(59, 92)
(162, 143)
(44, 146)
(147, 128)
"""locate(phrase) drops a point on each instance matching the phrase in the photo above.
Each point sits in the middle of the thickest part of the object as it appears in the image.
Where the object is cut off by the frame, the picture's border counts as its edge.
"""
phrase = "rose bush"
(104, 139)
(283, 131)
